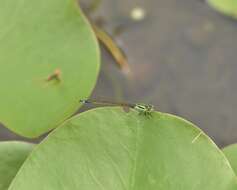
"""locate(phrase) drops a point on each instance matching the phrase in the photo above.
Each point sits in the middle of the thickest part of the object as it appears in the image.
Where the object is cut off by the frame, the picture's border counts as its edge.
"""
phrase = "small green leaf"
(227, 7)
(12, 156)
(109, 149)
(49, 59)
(231, 154)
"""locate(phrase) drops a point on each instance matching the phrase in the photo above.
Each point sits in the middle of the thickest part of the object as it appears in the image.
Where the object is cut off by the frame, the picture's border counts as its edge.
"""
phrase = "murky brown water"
(183, 60)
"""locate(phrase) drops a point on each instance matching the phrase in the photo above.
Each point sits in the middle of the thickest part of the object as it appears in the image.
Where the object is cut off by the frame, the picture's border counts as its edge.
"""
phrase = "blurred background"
(182, 56)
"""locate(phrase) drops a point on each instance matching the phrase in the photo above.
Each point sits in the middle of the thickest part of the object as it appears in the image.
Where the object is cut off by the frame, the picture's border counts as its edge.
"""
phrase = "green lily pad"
(12, 156)
(231, 154)
(49, 59)
(109, 149)
(227, 7)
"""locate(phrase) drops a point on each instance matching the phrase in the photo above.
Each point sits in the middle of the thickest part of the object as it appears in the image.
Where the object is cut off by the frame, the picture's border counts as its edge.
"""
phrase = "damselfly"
(144, 109)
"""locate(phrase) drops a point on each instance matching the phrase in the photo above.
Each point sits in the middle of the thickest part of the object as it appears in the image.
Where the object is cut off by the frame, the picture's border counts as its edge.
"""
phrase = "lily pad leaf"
(106, 148)
(12, 156)
(231, 154)
(49, 59)
(227, 7)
